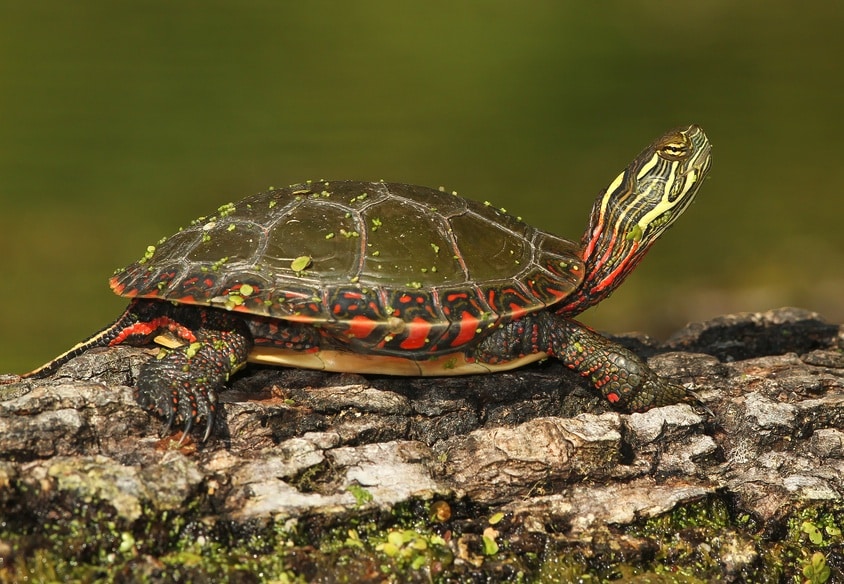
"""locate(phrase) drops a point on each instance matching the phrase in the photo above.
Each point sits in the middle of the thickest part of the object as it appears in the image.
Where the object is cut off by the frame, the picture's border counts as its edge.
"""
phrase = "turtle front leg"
(182, 383)
(618, 374)
(621, 376)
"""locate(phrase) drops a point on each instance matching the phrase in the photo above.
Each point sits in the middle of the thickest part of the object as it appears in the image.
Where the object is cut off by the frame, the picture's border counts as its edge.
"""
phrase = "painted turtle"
(394, 279)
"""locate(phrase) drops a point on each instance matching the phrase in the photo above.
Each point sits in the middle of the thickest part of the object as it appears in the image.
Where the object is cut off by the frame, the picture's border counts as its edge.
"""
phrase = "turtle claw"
(171, 419)
(695, 401)
(209, 425)
(186, 431)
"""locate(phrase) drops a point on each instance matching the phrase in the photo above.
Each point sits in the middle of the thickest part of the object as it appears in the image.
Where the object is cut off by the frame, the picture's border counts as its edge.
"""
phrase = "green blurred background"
(121, 121)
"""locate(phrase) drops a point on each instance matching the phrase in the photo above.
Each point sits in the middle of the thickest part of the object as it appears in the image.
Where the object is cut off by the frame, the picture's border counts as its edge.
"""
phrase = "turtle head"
(638, 206)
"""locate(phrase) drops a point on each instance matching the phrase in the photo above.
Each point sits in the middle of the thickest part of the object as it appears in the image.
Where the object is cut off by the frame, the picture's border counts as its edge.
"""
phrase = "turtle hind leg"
(182, 384)
(138, 324)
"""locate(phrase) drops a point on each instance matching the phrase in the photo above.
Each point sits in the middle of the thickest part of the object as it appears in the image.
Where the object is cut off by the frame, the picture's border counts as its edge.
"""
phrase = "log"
(405, 479)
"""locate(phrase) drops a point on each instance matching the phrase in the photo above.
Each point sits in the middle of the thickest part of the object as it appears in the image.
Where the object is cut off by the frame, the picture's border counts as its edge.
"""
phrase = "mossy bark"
(521, 475)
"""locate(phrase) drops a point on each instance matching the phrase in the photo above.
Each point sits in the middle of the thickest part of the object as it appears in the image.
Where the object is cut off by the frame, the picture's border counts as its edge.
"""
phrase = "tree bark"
(328, 451)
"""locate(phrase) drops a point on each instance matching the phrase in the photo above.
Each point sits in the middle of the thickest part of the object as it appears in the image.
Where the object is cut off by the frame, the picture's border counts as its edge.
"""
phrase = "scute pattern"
(389, 268)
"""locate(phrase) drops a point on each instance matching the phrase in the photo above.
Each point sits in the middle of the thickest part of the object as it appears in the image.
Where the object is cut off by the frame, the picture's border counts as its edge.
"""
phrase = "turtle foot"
(653, 392)
(182, 384)
(174, 388)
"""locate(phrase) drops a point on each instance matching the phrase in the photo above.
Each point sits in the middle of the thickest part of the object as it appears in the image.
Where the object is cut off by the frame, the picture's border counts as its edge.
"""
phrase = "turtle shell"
(387, 268)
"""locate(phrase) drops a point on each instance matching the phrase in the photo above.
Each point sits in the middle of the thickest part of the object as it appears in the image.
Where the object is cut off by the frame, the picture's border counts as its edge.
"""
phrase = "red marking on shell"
(556, 293)
(418, 330)
(613, 397)
(361, 326)
(468, 329)
(517, 311)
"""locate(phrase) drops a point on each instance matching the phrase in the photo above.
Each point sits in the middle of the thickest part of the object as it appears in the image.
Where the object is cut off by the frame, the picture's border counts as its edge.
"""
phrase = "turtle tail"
(103, 338)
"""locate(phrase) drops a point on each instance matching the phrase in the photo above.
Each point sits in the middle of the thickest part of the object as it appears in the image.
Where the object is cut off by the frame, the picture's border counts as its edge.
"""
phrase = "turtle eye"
(675, 150)
(675, 147)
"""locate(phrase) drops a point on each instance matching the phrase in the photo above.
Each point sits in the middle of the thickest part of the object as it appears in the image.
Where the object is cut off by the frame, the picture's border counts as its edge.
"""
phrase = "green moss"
(816, 570)
(704, 536)
(150, 251)
(361, 495)
(818, 526)
(48, 534)
(313, 479)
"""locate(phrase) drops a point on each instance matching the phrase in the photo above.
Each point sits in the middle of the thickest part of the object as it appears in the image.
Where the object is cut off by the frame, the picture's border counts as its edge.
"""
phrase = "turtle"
(395, 279)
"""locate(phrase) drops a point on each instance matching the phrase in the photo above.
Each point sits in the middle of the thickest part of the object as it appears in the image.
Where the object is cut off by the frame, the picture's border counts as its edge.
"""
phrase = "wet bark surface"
(326, 450)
